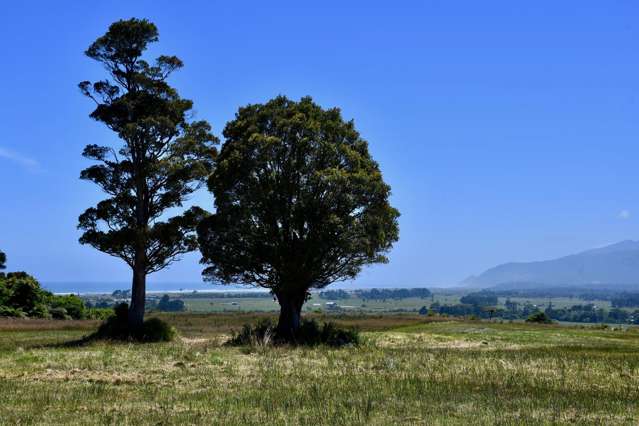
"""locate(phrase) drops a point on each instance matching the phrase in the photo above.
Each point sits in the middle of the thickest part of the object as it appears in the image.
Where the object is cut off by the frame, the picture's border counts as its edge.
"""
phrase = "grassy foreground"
(407, 372)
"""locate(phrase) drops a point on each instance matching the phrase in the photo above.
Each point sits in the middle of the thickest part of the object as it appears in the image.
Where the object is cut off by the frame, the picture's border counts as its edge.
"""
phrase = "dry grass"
(24, 324)
(406, 372)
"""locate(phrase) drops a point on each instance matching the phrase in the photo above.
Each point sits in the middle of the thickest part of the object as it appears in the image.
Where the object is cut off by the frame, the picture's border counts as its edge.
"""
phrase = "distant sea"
(110, 287)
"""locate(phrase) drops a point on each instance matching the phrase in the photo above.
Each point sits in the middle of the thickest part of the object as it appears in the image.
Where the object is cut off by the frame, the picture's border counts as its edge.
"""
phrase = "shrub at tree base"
(539, 318)
(116, 328)
(156, 330)
(310, 333)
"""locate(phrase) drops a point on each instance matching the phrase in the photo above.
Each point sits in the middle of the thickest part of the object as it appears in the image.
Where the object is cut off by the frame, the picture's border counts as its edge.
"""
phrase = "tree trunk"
(138, 287)
(290, 315)
(138, 298)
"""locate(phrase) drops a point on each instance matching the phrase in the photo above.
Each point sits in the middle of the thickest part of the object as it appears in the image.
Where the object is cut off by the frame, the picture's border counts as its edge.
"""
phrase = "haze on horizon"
(507, 131)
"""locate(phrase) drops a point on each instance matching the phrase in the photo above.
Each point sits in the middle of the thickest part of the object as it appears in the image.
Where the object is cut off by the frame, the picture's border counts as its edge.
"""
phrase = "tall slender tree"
(299, 202)
(163, 158)
(3, 260)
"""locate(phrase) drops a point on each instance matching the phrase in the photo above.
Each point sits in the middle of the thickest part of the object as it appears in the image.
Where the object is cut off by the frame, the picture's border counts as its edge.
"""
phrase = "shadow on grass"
(76, 343)
(114, 331)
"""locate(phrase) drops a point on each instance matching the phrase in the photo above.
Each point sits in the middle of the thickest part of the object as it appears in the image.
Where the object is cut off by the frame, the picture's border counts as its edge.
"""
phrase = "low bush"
(310, 333)
(71, 304)
(6, 311)
(156, 330)
(59, 313)
(260, 334)
(115, 327)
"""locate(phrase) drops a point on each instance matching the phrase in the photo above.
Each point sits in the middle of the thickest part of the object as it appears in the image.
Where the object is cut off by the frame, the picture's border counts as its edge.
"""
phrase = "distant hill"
(613, 266)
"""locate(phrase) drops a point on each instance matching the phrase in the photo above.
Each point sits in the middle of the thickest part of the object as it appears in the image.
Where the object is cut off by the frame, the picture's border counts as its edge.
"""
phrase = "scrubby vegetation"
(585, 313)
(310, 333)
(167, 305)
(481, 298)
(22, 296)
(377, 294)
(115, 327)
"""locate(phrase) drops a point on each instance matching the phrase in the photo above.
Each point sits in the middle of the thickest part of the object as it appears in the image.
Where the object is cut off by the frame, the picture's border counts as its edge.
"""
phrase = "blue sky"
(507, 130)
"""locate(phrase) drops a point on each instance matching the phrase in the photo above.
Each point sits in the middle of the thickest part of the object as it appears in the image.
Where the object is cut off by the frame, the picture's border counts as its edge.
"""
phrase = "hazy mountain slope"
(613, 264)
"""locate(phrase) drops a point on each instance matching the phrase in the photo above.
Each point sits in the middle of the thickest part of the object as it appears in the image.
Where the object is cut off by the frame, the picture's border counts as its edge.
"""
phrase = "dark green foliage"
(299, 202)
(232, 295)
(3, 260)
(393, 293)
(335, 295)
(71, 304)
(163, 158)
(539, 318)
(167, 305)
(310, 333)
(22, 296)
(625, 300)
(6, 311)
(377, 294)
(587, 313)
(59, 313)
(583, 313)
(115, 327)
(464, 310)
(24, 293)
(481, 298)
(260, 334)
(156, 330)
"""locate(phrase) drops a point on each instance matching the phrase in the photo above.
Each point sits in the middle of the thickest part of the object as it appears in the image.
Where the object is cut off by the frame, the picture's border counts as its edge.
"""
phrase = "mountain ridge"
(612, 265)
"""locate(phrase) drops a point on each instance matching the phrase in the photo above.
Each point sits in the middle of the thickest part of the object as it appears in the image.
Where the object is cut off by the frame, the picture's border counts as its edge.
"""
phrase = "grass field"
(202, 304)
(408, 371)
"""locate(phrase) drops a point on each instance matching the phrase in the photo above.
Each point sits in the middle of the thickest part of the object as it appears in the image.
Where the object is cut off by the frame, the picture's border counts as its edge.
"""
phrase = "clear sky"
(508, 130)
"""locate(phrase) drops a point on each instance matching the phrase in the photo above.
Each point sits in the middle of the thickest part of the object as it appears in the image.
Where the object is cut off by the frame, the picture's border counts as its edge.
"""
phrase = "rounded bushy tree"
(299, 202)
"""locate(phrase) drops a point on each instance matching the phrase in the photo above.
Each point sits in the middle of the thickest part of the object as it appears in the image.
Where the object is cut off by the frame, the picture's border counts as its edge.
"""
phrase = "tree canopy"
(3, 260)
(299, 203)
(163, 158)
(481, 298)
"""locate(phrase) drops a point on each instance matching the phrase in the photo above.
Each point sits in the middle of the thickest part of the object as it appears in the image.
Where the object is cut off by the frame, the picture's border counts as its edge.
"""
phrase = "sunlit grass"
(413, 373)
